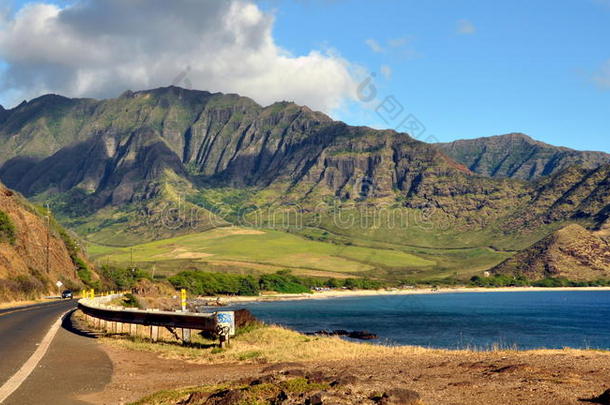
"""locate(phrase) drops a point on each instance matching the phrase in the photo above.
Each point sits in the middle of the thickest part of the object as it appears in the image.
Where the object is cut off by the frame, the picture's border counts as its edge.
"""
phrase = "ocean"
(477, 320)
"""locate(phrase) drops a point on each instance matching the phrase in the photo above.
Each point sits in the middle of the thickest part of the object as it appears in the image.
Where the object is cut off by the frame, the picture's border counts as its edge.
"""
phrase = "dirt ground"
(553, 378)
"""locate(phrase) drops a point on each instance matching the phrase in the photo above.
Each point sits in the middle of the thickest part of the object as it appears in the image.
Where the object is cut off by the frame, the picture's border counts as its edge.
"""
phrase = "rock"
(296, 372)
(318, 398)
(345, 379)
(281, 397)
(362, 335)
(262, 380)
(603, 399)
(400, 396)
(197, 398)
(316, 377)
(227, 397)
(357, 334)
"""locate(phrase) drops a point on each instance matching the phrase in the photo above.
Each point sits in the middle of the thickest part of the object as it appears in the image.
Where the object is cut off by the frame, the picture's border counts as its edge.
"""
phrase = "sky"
(440, 69)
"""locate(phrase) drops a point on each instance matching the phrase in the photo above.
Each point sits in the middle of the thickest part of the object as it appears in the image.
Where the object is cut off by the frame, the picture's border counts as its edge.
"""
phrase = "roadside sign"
(59, 284)
(226, 319)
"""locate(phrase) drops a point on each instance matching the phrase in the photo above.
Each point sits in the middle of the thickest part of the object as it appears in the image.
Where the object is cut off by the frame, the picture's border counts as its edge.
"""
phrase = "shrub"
(283, 282)
(123, 278)
(203, 283)
(7, 229)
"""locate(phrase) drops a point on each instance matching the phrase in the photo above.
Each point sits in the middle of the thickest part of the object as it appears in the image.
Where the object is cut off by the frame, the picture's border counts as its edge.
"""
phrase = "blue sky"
(464, 68)
(525, 66)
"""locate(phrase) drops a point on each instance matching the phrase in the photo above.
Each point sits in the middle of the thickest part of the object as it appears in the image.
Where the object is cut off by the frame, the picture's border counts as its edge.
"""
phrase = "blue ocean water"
(521, 320)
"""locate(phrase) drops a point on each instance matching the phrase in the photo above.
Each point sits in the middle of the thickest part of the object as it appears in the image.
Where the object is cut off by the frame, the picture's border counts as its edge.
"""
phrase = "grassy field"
(243, 250)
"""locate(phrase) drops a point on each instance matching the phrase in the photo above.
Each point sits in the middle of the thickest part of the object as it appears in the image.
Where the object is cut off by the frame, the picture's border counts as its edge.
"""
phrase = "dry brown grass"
(14, 304)
(271, 344)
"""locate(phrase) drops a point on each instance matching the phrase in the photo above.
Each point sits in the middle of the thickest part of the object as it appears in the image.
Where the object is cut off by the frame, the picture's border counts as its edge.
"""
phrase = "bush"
(123, 278)
(283, 282)
(203, 283)
(7, 229)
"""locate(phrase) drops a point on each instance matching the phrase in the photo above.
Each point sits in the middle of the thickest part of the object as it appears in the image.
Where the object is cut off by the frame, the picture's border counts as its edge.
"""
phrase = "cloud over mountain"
(99, 48)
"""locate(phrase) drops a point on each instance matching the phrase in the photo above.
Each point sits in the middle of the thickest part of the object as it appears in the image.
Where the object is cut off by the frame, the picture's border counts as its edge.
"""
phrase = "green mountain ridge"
(160, 163)
(518, 156)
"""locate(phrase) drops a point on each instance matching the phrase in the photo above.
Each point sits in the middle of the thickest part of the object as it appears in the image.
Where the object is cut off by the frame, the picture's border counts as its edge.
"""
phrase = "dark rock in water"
(358, 334)
(400, 396)
(363, 335)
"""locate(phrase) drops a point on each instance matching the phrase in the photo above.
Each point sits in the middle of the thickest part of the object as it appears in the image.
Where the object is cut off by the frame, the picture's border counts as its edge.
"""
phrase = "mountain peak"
(168, 90)
(517, 155)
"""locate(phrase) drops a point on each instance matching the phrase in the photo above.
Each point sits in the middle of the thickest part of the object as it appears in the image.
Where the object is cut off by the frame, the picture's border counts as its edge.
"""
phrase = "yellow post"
(183, 299)
(92, 293)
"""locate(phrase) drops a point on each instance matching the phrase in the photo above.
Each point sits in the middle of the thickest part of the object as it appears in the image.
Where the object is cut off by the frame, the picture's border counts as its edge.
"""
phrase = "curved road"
(73, 365)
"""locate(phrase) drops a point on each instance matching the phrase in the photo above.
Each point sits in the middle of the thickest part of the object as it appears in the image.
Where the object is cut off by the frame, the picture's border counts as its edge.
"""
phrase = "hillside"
(571, 252)
(23, 259)
(518, 156)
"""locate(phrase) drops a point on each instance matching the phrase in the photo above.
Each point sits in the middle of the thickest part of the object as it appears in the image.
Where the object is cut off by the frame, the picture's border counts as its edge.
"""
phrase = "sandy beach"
(367, 293)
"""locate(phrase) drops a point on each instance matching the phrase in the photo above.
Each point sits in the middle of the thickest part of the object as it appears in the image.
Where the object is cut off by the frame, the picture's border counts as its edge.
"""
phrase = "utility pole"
(48, 234)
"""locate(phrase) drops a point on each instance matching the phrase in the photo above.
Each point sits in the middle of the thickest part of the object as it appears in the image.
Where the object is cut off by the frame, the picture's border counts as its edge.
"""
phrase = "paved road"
(73, 365)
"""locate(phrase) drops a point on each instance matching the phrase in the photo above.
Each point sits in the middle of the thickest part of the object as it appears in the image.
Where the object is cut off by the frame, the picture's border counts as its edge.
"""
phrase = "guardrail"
(150, 323)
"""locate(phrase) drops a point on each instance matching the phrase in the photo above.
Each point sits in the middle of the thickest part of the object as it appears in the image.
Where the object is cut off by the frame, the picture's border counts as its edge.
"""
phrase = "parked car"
(67, 294)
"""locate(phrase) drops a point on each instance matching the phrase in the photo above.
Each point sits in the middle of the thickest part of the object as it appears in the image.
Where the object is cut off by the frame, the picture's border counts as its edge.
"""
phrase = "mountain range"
(111, 168)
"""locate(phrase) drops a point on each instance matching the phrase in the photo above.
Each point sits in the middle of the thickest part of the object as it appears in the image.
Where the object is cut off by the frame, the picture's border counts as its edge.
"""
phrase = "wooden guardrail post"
(186, 335)
(154, 333)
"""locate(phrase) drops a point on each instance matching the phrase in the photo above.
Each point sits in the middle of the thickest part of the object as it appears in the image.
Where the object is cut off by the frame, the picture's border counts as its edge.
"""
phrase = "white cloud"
(398, 42)
(466, 27)
(401, 47)
(99, 48)
(386, 71)
(602, 77)
(374, 45)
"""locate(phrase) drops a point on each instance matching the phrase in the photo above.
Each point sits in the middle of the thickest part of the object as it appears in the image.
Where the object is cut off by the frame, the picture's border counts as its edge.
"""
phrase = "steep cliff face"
(574, 193)
(24, 271)
(572, 252)
(123, 146)
(518, 156)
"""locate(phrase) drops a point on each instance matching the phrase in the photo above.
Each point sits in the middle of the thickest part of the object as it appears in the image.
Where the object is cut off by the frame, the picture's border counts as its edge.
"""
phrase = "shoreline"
(373, 293)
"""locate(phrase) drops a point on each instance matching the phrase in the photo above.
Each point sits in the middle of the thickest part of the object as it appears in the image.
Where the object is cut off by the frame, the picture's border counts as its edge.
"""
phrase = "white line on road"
(20, 376)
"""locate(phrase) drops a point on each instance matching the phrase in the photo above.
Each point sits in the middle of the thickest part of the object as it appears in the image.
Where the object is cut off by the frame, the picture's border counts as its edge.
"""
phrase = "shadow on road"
(69, 324)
